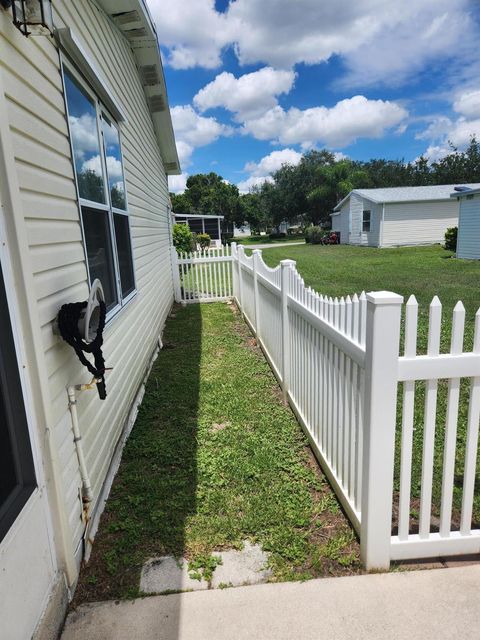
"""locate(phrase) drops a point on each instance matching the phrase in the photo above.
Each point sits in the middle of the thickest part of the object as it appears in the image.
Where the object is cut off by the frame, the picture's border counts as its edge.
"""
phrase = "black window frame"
(366, 221)
(88, 205)
(16, 422)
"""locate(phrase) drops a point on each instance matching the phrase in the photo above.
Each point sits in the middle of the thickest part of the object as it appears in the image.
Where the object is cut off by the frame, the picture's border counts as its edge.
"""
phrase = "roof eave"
(133, 19)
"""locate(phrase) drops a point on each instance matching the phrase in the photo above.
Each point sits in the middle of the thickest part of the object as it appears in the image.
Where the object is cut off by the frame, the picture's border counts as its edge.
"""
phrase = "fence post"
(175, 274)
(384, 310)
(287, 267)
(257, 256)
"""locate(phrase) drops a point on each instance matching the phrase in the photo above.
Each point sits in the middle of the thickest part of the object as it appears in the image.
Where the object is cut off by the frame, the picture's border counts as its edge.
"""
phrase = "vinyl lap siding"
(418, 222)
(33, 88)
(468, 243)
(357, 235)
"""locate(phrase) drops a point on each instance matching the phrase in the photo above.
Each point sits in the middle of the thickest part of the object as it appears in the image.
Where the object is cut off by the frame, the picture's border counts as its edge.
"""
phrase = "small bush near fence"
(203, 239)
(451, 238)
(276, 235)
(314, 235)
(182, 238)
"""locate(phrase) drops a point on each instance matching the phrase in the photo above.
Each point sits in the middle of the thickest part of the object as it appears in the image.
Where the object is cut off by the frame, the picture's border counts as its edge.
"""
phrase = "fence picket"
(411, 323)
(473, 422)
(458, 326)
(434, 331)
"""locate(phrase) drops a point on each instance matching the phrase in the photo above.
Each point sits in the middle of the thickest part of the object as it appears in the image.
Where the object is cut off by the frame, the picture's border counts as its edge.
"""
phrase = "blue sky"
(255, 83)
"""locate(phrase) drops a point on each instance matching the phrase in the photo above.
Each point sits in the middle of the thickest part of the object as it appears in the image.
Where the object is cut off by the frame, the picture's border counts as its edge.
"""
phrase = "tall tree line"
(307, 193)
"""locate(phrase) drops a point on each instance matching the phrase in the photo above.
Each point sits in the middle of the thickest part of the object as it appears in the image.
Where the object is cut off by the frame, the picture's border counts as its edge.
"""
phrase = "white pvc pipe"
(72, 405)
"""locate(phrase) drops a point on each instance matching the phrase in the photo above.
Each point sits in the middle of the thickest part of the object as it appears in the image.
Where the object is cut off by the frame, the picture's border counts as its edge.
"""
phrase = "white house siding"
(468, 242)
(357, 235)
(33, 89)
(412, 223)
(341, 223)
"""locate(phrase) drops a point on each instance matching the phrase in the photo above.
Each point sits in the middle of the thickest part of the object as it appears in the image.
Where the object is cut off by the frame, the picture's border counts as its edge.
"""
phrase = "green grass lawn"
(215, 458)
(424, 272)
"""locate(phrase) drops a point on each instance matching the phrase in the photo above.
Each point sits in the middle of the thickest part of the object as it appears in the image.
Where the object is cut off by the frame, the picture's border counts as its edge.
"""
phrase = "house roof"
(405, 194)
(197, 215)
(133, 19)
(466, 190)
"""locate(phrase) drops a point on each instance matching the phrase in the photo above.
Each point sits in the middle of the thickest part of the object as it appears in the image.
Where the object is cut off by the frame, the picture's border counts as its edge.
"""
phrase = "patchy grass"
(215, 458)
(424, 272)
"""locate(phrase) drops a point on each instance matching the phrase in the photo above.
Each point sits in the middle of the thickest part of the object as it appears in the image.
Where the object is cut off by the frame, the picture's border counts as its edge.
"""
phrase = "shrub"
(203, 240)
(276, 235)
(227, 237)
(451, 238)
(182, 238)
(314, 235)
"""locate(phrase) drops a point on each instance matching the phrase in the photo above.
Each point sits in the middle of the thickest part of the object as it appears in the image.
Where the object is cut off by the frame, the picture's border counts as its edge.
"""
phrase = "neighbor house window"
(17, 475)
(367, 215)
(100, 177)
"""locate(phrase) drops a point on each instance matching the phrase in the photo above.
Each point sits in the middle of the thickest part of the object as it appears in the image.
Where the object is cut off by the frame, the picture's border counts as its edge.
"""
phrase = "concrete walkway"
(440, 604)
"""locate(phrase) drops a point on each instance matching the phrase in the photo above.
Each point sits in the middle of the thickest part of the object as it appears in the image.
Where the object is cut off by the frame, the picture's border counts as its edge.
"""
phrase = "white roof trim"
(196, 215)
(378, 196)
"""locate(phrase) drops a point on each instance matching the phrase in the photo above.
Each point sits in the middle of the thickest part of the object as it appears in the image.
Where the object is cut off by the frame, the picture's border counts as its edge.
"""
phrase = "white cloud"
(468, 104)
(260, 171)
(409, 37)
(247, 96)
(177, 184)
(193, 130)
(338, 126)
(253, 181)
(194, 32)
(443, 130)
(379, 40)
(273, 162)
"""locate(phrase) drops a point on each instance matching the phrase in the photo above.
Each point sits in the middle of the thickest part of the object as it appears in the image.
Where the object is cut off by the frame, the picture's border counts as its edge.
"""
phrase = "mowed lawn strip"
(215, 458)
(425, 272)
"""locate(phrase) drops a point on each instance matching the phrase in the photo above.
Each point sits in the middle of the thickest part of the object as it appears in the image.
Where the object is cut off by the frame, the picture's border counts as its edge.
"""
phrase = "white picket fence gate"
(338, 363)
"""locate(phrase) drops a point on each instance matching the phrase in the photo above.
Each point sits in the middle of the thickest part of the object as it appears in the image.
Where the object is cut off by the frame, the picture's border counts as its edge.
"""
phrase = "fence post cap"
(287, 263)
(384, 297)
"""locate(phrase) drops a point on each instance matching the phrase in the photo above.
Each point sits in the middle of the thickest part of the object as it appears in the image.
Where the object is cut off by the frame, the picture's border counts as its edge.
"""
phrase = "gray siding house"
(468, 241)
(86, 144)
(396, 216)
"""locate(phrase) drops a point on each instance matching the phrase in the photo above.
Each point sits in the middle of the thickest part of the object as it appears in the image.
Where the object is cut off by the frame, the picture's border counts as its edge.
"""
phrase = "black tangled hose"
(68, 318)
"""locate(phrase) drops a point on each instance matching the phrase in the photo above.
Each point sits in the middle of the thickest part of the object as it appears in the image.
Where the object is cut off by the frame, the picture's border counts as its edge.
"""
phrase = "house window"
(367, 215)
(98, 162)
(17, 475)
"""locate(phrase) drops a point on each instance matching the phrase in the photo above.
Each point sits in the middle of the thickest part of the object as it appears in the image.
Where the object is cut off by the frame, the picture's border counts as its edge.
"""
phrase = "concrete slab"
(247, 566)
(168, 574)
(417, 605)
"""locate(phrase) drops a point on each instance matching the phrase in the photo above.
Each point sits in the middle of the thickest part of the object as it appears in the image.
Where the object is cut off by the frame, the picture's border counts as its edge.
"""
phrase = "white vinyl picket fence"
(338, 363)
(203, 276)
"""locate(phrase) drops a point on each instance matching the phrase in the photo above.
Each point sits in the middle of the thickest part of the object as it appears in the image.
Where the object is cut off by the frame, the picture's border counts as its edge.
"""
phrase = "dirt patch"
(219, 427)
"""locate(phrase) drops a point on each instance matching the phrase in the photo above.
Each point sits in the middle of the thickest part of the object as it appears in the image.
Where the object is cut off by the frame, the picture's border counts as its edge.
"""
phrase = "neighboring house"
(468, 240)
(396, 216)
(82, 195)
(200, 223)
(242, 231)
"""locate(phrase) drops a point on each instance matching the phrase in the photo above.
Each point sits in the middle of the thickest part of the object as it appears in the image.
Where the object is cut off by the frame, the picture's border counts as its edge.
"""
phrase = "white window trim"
(122, 302)
(364, 211)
